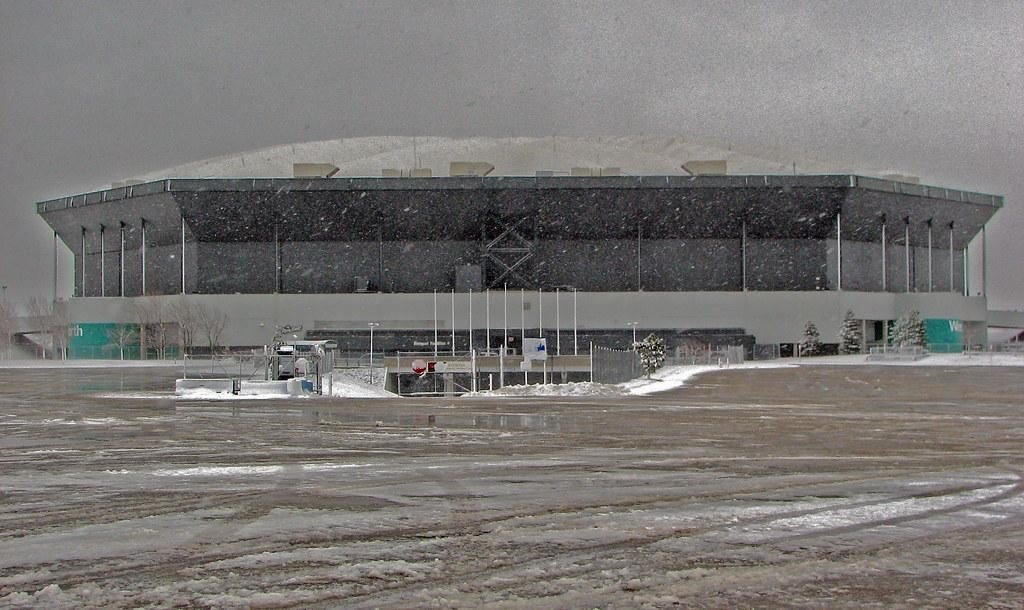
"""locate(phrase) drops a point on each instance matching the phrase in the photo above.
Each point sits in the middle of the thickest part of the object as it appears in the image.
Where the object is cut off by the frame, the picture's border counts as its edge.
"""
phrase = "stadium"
(460, 244)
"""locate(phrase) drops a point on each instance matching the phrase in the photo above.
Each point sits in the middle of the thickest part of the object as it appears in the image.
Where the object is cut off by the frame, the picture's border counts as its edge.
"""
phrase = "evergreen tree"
(811, 343)
(849, 335)
(916, 334)
(652, 354)
(908, 331)
(898, 332)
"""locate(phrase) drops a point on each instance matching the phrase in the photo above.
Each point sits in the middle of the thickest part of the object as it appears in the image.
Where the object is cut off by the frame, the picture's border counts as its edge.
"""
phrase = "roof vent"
(595, 171)
(705, 167)
(419, 172)
(469, 168)
(902, 178)
(313, 170)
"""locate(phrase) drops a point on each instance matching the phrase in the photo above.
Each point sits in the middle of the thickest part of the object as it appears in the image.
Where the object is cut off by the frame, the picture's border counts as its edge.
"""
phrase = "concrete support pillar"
(182, 256)
(120, 264)
(906, 249)
(929, 255)
(952, 275)
(885, 270)
(984, 263)
(839, 251)
(967, 286)
(54, 266)
(81, 291)
(103, 261)
(143, 253)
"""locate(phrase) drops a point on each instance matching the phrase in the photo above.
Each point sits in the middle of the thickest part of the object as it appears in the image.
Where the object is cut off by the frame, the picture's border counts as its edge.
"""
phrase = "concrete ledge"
(289, 387)
(220, 386)
(897, 357)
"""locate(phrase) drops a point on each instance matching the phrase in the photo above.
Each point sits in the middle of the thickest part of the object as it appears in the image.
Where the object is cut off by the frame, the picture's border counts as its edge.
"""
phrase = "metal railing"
(240, 366)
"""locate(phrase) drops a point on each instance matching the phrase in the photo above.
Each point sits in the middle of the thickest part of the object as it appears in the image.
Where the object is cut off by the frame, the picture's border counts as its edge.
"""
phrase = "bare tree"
(6, 328)
(211, 323)
(121, 336)
(155, 328)
(60, 327)
(186, 315)
(54, 324)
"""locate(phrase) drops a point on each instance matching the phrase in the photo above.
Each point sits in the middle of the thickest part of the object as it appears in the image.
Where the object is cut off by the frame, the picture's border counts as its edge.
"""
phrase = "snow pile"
(673, 377)
(968, 359)
(583, 388)
(208, 394)
(344, 385)
(351, 386)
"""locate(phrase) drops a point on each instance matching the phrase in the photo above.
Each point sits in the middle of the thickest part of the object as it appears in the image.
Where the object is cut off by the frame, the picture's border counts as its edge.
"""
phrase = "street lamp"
(633, 324)
(372, 326)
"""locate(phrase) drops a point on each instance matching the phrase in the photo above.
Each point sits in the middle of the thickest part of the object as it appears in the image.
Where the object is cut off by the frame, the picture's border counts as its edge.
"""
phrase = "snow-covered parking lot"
(811, 486)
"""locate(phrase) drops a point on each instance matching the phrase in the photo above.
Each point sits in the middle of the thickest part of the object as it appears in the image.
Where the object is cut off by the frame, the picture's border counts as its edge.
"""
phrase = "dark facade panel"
(163, 270)
(695, 264)
(423, 266)
(865, 210)
(606, 264)
(787, 264)
(600, 234)
(229, 267)
(862, 266)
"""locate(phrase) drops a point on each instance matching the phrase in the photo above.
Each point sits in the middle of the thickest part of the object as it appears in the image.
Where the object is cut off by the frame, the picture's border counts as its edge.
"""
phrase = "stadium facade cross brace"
(751, 256)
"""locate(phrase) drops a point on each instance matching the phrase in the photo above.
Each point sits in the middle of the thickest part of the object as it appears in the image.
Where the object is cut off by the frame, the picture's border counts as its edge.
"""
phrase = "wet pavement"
(802, 487)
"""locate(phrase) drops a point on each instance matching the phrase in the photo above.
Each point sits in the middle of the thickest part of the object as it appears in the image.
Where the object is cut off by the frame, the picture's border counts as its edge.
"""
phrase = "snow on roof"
(519, 156)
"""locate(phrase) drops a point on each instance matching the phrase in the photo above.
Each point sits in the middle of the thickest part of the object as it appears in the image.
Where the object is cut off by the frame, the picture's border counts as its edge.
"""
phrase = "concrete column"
(952, 276)
(182, 256)
(884, 269)
(906, 249)
(82, 291)
(967, 288)
(120, 263)
(839, 251)
(929, 255)
(103, 260)
(54, 266)
(984, 263)
(143, 252)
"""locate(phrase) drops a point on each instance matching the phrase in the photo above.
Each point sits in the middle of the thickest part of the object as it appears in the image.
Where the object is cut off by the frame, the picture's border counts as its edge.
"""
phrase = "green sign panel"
(944, 335)
(103, 340)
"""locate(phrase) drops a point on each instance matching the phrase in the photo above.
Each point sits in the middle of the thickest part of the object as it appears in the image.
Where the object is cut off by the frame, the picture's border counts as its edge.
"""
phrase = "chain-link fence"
(239, 366)
(615, 366)
(706, 354)
(766, 351)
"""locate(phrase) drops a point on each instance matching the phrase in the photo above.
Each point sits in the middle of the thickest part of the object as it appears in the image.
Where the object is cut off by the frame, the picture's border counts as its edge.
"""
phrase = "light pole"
(372, 326)
(633, 324)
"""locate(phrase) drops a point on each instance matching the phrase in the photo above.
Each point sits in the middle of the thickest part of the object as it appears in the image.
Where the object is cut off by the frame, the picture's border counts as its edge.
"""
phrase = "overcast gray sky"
(93, 92)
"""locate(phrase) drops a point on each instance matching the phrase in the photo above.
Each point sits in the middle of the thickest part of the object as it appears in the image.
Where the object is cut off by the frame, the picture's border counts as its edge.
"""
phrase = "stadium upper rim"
(636, 156)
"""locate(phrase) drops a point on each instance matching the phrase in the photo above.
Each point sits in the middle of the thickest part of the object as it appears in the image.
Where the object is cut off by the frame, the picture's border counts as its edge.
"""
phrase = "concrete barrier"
(220, 386)
(289, 387)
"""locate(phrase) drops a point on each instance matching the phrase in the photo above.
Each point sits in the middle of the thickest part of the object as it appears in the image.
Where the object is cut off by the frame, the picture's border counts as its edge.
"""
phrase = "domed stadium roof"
(512, 156)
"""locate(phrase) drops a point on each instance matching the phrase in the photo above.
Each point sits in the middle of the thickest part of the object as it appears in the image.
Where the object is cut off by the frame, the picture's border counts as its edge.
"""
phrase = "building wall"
(667, 233)
(772, 317)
